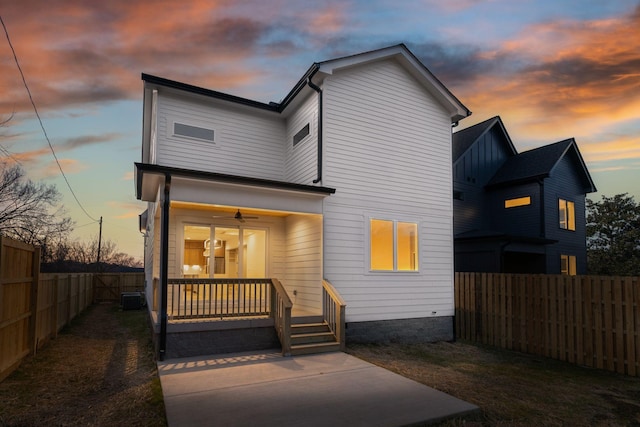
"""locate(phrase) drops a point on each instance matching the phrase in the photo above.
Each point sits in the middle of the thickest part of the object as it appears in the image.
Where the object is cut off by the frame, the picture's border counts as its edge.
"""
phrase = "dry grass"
(99, 371)
(514, 389)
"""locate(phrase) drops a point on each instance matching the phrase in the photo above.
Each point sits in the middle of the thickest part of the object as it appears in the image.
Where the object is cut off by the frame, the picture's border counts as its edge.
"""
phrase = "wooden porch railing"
(224, 298)
(333, 312)
(281, 313)
(217, 298)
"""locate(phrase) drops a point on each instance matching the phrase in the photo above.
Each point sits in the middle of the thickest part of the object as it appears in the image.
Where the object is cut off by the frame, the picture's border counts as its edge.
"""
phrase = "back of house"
(346, 182)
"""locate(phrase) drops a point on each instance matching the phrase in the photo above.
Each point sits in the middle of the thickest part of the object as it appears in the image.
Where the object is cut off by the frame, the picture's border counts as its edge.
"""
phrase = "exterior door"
(239, 252)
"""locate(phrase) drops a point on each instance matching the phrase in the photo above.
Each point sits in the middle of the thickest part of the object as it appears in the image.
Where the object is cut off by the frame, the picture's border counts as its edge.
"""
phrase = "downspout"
(319, 91)
(164, 267)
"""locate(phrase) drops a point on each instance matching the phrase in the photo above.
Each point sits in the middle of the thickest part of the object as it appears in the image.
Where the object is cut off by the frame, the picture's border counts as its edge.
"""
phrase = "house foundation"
(404, 331)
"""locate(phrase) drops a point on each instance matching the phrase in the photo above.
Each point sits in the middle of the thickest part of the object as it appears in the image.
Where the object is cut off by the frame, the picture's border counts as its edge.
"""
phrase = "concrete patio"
(266, 389)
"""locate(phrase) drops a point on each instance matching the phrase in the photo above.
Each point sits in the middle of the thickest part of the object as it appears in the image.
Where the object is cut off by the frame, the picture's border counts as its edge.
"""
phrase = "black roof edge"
(298, 86)
(469, 112)
(511, 238)
(230, 179)
(275, 107)
(519, 181)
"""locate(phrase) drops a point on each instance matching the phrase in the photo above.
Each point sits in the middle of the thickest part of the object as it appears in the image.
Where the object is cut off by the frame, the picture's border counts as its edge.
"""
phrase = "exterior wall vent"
(196, 132)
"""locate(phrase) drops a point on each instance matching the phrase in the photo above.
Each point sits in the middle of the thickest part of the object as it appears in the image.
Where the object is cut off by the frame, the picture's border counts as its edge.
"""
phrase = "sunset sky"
(552, 69)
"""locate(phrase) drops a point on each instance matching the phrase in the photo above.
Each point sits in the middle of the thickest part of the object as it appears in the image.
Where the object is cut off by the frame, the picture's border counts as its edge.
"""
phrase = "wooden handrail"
(333, 312)
(281, 313)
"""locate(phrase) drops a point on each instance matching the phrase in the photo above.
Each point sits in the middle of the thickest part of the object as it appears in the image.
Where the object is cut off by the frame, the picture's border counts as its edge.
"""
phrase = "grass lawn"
(514, 389)
(99, 371)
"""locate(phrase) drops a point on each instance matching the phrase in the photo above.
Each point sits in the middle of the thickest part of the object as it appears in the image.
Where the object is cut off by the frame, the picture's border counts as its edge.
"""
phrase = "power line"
(24, 81)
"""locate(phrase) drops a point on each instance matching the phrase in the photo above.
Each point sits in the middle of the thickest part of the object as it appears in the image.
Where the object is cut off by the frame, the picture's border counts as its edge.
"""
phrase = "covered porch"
(235, 259)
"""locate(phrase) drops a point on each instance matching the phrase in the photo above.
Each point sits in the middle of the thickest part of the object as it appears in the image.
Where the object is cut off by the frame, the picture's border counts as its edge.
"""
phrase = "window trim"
(304, 137)
(569, 217)
(572, 265)
(516, 202)
(172, 131)
(395, 222)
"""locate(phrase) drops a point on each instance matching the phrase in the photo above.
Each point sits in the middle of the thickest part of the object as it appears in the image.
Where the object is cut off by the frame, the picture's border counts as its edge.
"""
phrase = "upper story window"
(393, 245)
(568, 265)
(195, 132)
(520, 201)
(567, 211)
(302, 133)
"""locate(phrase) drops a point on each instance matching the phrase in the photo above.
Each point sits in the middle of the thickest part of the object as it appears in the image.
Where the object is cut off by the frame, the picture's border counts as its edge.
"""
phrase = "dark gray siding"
(564, 184)
(471, 172)
(521, 220)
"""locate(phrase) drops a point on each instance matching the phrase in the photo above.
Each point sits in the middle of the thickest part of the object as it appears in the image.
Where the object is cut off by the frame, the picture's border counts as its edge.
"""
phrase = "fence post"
(33, 303)
(56, 302)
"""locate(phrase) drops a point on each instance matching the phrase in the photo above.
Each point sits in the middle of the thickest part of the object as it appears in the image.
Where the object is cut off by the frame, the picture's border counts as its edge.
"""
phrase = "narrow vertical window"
(406, 246)
(567, 213)
(568, 265)
(381, 244)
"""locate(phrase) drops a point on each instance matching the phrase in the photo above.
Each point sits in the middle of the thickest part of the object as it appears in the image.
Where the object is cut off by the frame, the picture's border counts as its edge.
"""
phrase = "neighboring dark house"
(518, 213)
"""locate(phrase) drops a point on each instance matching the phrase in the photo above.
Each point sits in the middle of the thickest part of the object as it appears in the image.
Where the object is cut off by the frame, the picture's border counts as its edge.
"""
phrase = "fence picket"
(629, 338)
(586, 320)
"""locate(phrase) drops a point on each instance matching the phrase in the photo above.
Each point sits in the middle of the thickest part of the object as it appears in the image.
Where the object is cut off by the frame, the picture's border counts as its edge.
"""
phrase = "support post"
(164, 266)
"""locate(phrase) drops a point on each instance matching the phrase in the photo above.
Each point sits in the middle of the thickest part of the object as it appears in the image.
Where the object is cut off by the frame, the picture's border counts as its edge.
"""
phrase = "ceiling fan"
(238, 216)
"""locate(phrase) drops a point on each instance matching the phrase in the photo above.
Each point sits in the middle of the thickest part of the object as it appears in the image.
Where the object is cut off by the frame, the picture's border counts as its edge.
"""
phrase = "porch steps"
(314, 337)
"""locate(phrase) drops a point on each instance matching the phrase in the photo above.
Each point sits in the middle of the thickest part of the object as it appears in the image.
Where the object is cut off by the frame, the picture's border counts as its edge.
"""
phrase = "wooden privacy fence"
(587, 320)
(34, 307)
(109, 286)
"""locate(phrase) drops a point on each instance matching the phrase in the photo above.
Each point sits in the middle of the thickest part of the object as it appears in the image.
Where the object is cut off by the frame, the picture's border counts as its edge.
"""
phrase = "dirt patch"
(514, 389)
(99, 371)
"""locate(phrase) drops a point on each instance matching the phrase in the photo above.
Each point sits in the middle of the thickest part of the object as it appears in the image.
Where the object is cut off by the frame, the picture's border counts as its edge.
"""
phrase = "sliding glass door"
(224, 252)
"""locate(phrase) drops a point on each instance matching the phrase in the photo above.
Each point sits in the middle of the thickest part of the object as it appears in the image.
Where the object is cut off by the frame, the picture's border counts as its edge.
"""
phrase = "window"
(520, 201)
(181, 129)
(567, 215)
(393, 245)
(568, 265)
(301, 134)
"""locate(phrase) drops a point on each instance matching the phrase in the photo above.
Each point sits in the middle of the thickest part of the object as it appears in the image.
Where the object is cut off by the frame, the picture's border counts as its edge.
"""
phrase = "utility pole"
(99, 246)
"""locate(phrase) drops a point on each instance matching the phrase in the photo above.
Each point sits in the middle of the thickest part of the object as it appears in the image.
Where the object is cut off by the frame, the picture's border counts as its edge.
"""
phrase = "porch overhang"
(232, 190)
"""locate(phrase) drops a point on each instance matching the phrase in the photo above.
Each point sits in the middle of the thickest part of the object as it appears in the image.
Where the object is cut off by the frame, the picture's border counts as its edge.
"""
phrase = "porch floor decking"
(264, 388)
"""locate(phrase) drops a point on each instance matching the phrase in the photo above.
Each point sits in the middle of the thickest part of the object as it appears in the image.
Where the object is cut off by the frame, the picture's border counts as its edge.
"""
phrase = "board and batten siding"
(247, 143)
(304, 261)
(301, 160)
(471, 172)
(388, 153)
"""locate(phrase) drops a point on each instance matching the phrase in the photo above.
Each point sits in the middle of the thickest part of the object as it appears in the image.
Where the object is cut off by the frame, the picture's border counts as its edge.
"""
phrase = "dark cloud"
(82, 141)
(228, 34)
(456, 65)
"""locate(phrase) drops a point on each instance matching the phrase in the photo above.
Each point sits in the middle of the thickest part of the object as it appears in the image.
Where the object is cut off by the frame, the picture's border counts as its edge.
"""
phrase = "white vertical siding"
(388, 154)
(304, 261)
(247, 143)
(301, 160)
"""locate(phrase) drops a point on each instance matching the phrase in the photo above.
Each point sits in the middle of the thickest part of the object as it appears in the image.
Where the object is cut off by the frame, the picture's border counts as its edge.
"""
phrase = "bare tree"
(82, 256)
(29, 210)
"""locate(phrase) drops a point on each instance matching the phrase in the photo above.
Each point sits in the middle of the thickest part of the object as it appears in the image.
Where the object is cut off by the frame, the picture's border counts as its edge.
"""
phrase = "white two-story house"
(333, 206)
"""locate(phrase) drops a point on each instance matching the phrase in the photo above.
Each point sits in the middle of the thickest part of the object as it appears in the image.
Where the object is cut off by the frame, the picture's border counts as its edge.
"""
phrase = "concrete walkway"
(266, 389)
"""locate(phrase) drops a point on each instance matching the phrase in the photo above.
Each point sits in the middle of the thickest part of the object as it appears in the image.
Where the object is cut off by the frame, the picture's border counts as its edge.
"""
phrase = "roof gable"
(539, 163)
(413, 66)
(320, 70)
(463, 139)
